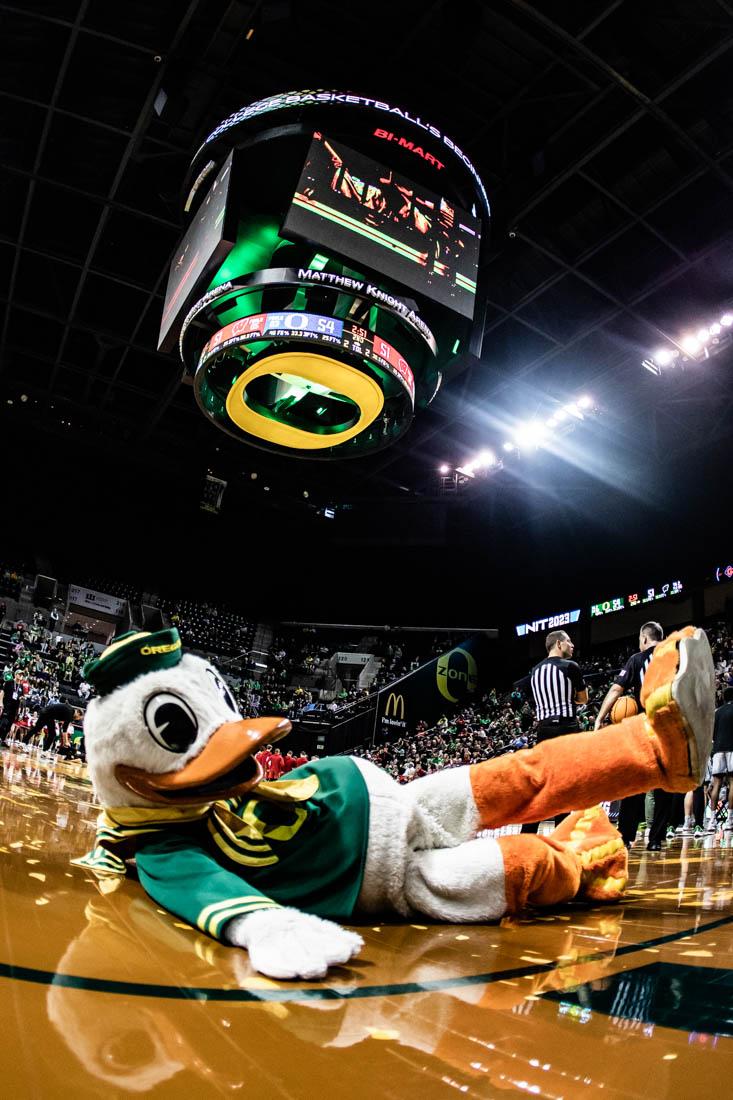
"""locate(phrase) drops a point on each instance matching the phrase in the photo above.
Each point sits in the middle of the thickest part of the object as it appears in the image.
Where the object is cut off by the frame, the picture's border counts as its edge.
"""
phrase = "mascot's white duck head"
(165, 728)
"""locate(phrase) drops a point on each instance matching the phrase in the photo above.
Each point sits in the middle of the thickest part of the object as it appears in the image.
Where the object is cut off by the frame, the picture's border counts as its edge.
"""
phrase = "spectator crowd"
(295, 678)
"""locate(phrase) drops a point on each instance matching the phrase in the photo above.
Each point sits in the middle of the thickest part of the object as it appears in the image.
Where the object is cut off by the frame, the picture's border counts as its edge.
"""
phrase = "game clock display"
(636, 599)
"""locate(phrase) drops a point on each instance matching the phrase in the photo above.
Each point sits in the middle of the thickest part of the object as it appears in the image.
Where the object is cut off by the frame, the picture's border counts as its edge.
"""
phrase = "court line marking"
(438, 985)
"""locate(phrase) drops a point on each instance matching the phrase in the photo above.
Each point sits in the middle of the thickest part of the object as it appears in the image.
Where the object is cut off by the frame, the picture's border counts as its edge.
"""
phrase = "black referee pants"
(547, 731)
(632, 811)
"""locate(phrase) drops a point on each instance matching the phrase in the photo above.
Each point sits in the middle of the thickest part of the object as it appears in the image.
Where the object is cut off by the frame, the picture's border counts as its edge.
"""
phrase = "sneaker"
(729, 822)
(688, 829)
(679, 699)
(698, 831)
(710, 826)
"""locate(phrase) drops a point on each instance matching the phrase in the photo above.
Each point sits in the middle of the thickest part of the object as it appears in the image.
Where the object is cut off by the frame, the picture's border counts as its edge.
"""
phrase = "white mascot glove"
(285, 943)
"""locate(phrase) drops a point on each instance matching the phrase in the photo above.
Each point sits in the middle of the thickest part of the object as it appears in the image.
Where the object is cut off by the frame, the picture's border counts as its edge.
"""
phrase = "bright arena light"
(445, 468)
(509, 447)
(706, 341)
(530, 435)
(485, 458)
(585, 402)
(690, 344)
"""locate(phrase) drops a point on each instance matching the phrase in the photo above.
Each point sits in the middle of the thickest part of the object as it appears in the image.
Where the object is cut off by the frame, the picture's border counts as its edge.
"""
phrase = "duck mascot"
(273, 866)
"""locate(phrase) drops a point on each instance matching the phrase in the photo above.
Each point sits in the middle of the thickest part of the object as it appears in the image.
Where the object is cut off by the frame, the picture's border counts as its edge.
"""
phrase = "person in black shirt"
(558, 687)
(47, 719)
(722, 762)
(630, 679)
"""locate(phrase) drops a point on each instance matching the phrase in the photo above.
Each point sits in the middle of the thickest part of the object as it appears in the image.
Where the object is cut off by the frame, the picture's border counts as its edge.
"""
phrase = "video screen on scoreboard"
(375, 216)
(204, 246)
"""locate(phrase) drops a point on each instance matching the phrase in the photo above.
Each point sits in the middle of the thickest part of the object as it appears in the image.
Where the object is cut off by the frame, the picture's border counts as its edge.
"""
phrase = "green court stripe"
(208, 993)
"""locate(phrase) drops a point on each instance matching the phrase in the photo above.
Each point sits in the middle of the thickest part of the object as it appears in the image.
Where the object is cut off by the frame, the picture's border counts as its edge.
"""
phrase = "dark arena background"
(366, 346)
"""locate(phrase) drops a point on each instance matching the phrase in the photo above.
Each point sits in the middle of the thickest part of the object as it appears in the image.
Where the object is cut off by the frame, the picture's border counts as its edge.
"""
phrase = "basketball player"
(631, 677)
(722, 766)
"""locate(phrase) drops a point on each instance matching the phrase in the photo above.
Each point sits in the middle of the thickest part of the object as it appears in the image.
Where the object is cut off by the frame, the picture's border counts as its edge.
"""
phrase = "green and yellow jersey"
(300, 841)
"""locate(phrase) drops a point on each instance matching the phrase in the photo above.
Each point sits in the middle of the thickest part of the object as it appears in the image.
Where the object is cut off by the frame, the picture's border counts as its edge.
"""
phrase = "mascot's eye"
(223, 689)
(171, 721)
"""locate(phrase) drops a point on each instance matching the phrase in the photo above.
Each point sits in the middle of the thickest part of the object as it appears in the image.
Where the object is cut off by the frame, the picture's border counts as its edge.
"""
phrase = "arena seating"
(291, 673)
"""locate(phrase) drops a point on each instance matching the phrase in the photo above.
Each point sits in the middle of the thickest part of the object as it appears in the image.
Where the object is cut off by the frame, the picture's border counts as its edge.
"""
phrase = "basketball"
(624, 707)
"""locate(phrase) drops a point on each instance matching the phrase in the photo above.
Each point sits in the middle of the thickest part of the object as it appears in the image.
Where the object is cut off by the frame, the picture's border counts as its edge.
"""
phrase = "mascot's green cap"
(131, 655)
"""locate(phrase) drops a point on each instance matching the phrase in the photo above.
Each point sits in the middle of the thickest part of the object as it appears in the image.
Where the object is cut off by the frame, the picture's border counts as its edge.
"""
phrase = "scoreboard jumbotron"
(330, 278)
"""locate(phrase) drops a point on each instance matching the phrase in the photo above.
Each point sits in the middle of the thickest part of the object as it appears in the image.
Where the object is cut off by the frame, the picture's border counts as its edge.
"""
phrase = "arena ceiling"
(602, 130)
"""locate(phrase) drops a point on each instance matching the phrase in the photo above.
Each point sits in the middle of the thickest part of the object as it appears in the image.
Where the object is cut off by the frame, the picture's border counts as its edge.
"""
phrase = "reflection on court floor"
(101, 990)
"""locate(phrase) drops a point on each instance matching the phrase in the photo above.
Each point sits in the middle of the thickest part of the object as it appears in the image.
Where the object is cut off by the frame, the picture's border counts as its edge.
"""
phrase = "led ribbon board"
(312, 328)
(379, 108)
(282, 277)
(550, 622)
(636, 599)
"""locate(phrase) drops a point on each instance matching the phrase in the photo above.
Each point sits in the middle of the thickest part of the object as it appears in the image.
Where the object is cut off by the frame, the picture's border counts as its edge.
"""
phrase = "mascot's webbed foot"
(678, 696)
(285, 943)
(602, 853)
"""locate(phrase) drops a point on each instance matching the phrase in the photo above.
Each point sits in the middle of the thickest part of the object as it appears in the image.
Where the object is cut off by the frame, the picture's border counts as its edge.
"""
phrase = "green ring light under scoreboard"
(341, 383)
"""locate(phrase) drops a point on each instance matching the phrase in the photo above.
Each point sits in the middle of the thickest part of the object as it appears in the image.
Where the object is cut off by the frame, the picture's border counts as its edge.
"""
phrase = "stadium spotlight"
(531, 435)
(445, 468)
(585, 402)
(705, 342)
(690, 344)
(480, 463)
(509, 447)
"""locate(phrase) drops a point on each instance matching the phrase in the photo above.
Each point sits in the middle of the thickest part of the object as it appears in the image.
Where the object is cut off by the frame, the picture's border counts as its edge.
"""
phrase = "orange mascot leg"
(665, 747)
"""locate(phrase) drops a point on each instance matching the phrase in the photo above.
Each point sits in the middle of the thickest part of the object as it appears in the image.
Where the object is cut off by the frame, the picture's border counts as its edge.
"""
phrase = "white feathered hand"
(285, 943)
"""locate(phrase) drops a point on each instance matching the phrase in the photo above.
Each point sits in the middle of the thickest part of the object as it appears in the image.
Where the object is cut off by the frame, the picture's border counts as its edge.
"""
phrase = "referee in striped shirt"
(557, 688)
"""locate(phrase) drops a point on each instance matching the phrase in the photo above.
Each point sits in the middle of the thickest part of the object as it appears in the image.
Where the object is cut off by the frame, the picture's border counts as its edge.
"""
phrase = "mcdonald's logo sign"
(395, 706)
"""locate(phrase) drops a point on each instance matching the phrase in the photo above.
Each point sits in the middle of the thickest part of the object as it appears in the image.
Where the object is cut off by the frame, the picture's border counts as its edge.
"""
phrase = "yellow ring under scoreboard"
(323, 371)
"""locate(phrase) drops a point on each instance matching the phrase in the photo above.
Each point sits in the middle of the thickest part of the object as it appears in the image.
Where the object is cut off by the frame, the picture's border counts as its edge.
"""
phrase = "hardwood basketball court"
(104, 992)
